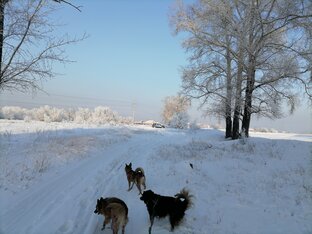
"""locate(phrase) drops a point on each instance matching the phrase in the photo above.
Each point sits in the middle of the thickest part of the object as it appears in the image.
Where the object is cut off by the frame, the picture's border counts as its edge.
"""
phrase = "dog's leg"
(106, 221)
(103, 227)
(152, 221)
(128, 185)
(144, 181)
(115, 229)
(131, 186)
(115, 225)
(139, 188)
(173, 222)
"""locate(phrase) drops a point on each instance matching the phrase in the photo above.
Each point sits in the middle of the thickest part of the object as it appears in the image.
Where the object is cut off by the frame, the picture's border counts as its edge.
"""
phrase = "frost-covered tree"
(28, 43)
(179, 120)
(175, 108)
(210, 76)
(279, 56)
(246, 57)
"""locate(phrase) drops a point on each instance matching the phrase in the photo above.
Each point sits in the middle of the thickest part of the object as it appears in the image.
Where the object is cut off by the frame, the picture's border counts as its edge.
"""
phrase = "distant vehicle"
(158, 125)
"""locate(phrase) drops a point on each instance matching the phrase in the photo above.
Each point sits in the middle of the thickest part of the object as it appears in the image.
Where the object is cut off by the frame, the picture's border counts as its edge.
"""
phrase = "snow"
(51, 175)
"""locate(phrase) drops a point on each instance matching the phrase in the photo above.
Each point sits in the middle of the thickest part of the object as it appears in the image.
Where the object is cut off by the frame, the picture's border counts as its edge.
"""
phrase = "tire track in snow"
(73, 193)
(46, 202)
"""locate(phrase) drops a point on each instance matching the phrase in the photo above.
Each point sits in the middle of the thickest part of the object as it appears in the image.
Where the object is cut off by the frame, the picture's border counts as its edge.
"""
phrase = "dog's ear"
(143, 197)
(130, 164)
(149, 191)
(148, 194)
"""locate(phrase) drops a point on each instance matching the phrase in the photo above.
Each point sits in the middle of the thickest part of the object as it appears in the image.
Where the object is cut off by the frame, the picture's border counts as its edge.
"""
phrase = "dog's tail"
(139, 171)
(185, 198)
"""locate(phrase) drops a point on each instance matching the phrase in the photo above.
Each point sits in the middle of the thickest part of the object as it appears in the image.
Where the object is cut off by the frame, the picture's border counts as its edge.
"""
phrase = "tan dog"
(115, 210)
(119, 217)
(135, 177)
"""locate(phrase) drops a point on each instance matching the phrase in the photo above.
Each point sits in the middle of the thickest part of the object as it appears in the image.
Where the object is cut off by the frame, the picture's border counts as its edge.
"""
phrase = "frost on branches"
(100, 115)
(179, 120)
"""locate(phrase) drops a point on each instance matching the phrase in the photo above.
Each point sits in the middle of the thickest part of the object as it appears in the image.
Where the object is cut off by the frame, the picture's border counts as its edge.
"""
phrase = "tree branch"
(72, 5)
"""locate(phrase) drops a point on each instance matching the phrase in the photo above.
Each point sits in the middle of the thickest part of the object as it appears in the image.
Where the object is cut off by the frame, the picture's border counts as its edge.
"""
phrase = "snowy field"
(51, 175)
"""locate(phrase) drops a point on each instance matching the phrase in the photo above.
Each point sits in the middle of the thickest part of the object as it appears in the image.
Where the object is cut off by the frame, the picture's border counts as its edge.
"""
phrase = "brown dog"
(135, 177)
(114, 209)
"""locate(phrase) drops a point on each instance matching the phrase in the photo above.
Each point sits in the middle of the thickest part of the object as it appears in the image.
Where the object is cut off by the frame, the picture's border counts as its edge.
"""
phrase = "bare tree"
(257, 53)
(209, 77)
(28, 46)
(279, 60)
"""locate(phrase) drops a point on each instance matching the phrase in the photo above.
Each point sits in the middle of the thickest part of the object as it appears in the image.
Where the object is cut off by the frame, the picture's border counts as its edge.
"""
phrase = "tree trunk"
(251, 72)
(236, 123)
(248, 99)
(2, 3)
(228, 104)
(238, 93)
(228, 127)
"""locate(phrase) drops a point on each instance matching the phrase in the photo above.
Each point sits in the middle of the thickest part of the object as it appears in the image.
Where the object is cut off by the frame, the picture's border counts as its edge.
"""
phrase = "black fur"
(161, 206)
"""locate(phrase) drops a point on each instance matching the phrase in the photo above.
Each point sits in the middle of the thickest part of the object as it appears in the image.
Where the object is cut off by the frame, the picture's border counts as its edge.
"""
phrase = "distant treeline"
(98, 115)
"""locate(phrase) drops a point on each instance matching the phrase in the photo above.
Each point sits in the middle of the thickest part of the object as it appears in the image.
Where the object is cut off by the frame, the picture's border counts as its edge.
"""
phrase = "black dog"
(161, 206)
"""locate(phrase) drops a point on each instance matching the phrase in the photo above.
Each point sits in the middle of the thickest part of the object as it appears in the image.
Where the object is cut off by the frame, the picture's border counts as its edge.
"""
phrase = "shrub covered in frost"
(100, 115)
(13, 112)
(49, 114)
(179, 120)
(82, 115)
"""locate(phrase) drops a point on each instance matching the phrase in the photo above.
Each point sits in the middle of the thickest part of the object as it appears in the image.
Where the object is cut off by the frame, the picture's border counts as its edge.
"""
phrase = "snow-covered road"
(260, 185)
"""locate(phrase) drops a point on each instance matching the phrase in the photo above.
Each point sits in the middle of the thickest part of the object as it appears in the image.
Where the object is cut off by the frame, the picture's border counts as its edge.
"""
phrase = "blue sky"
(130, 54)
(130, 61)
